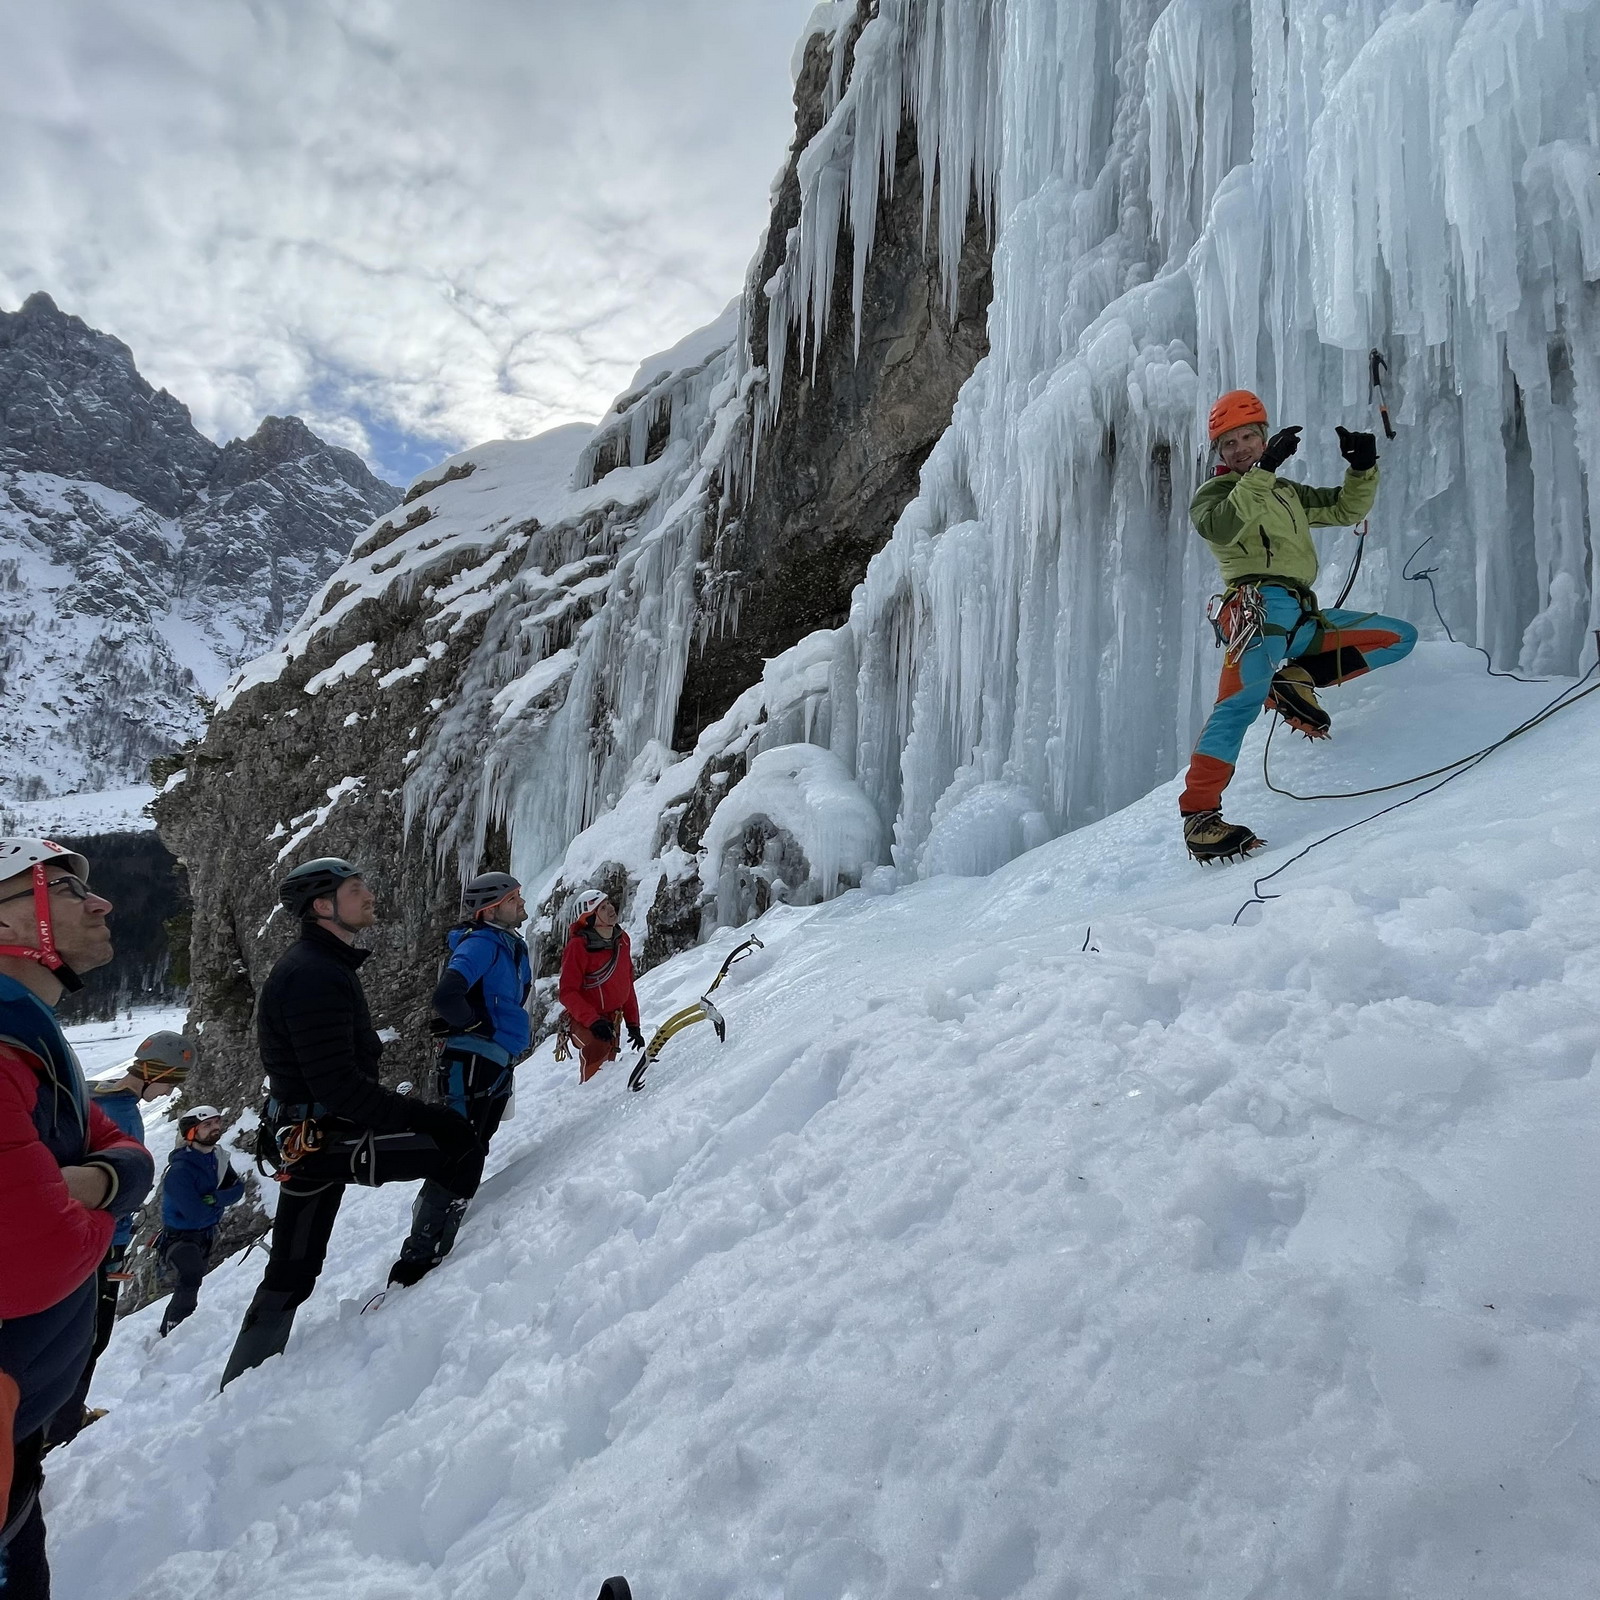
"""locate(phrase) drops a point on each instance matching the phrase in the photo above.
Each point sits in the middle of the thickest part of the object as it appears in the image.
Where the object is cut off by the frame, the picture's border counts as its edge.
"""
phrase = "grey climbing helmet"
(486, 891)
(313, 879)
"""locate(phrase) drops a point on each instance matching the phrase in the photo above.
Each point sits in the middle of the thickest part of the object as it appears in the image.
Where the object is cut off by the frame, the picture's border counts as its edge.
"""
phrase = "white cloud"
(457, 220)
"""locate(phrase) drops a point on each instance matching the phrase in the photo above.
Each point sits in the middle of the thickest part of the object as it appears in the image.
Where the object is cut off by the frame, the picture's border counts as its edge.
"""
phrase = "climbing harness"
(296, 1140)
(701, 1011)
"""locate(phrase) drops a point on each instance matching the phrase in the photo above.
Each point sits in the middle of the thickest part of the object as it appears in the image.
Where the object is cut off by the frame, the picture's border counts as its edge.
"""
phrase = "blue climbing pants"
(1333, 646)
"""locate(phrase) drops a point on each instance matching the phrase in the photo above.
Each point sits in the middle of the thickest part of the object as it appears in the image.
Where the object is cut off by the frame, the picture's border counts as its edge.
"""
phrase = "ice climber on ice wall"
(328, 1121)
(480, 1004)
(68, 1175)
(597, 984)
(1280, 647)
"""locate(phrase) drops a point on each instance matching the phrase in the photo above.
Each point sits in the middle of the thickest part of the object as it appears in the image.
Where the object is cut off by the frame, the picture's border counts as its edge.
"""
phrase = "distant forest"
(149, 894)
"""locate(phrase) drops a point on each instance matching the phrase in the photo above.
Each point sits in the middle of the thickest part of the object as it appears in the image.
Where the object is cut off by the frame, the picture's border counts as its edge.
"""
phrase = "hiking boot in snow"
(1293, 696)
(435, 1221)
(1209, 838)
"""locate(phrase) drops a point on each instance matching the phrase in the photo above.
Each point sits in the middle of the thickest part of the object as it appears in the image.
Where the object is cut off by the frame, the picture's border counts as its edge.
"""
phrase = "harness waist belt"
(280, 1111)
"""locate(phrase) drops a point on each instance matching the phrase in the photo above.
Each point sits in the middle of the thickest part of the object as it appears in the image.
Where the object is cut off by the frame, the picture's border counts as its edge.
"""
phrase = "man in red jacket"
(67, 1175)
(597, 983)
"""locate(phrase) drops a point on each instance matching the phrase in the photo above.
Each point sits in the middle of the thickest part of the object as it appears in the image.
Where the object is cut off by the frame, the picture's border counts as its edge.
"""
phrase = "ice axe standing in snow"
(701, 1011)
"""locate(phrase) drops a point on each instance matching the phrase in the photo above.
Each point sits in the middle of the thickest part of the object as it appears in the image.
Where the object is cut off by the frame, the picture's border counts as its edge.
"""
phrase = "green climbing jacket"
(1259, 525)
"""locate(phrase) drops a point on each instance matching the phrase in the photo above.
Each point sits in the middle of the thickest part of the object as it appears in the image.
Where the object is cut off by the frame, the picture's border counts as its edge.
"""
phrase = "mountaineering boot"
(1293, 696)
(263, 1333)
(435, 1221)
(1209, 838)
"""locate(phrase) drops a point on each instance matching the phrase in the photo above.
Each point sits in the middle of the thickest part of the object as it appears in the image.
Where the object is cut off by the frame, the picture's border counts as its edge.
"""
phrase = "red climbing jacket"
(597, 976)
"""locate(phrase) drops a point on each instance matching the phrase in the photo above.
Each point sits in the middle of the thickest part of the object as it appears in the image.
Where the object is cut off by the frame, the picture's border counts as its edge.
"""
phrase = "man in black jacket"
(329, 1122)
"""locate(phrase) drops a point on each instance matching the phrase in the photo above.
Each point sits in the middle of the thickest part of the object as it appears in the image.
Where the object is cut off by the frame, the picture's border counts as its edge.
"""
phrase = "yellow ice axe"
(701, 1011)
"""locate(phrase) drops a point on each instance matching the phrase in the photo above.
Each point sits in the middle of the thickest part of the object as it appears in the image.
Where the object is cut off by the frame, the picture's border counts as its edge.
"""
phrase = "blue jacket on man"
(483, 992)
(124, 1108)
(193, 1193)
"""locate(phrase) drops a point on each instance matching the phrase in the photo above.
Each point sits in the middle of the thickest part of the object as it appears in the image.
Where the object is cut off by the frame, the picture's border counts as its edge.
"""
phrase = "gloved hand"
(439, 1028)
(1280, 447)
(601, 1028)
(1360, 450)
(635, 1038)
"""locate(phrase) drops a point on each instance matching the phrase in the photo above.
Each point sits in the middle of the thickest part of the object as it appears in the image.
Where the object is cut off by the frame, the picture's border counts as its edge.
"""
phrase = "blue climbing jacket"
(193, 1195)
(483, 991)
(122, 1106)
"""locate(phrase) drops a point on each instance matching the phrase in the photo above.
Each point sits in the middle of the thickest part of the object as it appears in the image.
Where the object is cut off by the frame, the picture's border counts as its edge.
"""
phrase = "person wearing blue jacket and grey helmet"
(480, 1004)
(199, 1186)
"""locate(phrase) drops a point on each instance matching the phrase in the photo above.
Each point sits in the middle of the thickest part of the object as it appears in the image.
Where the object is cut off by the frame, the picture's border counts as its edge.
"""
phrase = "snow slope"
(1205, 1261)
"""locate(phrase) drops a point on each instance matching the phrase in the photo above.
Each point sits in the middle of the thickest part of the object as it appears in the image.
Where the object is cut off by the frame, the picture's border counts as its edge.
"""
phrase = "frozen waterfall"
(1184, 198)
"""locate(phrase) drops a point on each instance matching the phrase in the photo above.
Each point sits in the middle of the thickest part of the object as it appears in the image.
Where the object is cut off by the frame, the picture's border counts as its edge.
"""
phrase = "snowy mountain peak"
(140, 562)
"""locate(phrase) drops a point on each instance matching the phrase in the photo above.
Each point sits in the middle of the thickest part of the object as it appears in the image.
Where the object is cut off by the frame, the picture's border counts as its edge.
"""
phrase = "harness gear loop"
(1238, 618)
(296, 1140)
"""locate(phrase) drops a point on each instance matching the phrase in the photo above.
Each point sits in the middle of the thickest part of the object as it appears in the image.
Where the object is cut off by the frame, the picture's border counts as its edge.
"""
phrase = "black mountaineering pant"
(185, 1253)
(476, 1086)
(308, 1204)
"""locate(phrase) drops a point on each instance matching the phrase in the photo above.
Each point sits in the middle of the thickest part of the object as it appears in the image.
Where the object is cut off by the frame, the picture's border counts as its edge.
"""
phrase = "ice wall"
(1185, 198)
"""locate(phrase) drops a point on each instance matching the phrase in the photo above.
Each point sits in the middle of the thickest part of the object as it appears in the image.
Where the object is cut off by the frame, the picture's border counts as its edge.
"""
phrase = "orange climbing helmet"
(1234, 410)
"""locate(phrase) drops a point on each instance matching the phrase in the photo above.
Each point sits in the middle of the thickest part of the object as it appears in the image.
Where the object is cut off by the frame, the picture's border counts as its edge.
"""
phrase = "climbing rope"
(1567, 698)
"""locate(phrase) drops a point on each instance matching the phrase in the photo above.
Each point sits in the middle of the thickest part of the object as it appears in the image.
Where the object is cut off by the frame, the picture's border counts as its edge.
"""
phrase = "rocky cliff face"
(140, 563)
(567, 639)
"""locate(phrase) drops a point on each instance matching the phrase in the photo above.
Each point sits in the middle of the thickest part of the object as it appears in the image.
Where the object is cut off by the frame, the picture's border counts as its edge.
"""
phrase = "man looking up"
(328, 1121)
(68, 1174)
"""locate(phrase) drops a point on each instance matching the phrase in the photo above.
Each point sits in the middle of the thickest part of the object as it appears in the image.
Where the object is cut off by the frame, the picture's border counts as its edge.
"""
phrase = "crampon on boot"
(435, 1221)
(1293, 696)
(1209, 838)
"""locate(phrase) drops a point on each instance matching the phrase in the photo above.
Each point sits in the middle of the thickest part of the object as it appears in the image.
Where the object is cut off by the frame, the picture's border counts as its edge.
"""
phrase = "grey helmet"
(165, 1057)
(486, 891)
(313, 879)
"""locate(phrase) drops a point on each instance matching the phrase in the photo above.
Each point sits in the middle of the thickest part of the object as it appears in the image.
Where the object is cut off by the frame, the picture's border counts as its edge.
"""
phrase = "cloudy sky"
(417, 223)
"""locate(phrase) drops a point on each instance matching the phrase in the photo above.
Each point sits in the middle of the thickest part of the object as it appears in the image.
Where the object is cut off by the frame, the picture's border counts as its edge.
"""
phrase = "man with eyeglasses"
(68, 1175)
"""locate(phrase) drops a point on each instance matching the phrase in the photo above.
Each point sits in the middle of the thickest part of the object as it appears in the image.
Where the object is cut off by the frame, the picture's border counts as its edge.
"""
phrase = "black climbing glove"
(601, 1028)
(1360, 450)
(1280, 447)
(439, 1028)
(635, 1038)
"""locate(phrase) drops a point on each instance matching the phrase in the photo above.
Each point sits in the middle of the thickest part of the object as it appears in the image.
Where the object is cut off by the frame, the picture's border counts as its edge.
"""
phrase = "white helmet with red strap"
(32, 856)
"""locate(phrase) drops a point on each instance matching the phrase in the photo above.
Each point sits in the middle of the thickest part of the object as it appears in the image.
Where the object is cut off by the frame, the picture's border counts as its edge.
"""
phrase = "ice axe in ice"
(1376, 367)
(701, 1011)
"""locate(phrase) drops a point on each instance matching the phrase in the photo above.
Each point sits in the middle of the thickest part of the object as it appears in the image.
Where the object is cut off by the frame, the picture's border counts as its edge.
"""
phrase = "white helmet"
(18, 855)
(591, 900)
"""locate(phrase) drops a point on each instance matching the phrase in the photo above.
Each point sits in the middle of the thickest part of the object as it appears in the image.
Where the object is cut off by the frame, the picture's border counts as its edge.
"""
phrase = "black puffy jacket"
(315, 1032)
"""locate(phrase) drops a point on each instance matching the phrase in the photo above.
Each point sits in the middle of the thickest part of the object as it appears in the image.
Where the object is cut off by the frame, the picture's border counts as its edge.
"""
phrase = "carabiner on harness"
(1237, 618)
(295, 1140)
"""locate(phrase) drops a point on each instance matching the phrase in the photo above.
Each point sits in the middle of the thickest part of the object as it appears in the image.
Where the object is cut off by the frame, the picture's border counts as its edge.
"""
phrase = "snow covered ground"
(1206, 1261)
(77, 816)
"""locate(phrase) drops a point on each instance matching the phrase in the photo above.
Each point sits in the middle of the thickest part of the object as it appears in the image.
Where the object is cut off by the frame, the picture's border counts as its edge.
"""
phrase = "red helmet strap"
(45, 953)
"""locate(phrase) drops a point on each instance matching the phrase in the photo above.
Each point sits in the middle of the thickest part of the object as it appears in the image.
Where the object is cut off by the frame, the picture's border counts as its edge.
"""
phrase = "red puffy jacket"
(49, 1243)
(597, 976)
